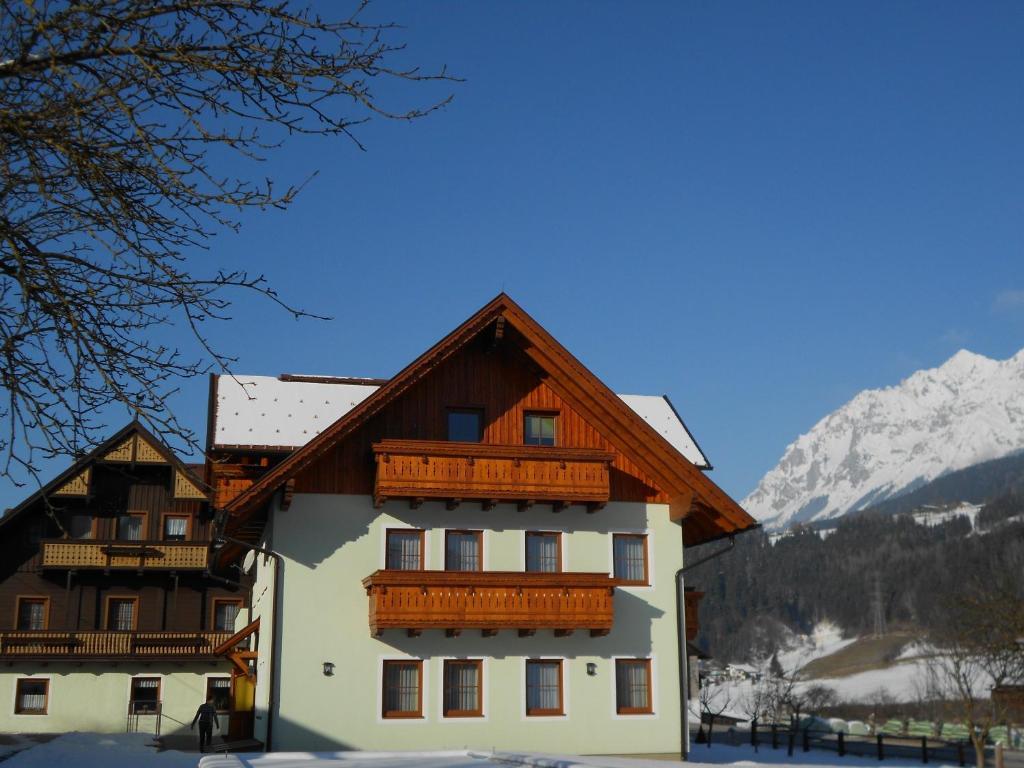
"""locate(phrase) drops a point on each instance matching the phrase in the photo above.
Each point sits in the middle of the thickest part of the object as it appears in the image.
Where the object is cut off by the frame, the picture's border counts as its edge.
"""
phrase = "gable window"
(465, 425)
(463, 690)
(463, 550)
(539, 429)
(131, 527)
(34, 533)
(121, 613)
(31, 697)
(33, 613)
(404, 549)
(543, 551)
(629, 558)
(224, 613)
(633, 686)
(145, 696)
(544, 687)
(80, 526)
(175, 527)
(403, 689)
(219, 689)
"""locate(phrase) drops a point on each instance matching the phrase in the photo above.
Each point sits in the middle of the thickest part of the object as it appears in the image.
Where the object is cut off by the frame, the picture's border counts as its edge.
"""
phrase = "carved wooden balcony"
(490, 601)
(124, 555)
(424, 469)
(109, 645)
(692, 603)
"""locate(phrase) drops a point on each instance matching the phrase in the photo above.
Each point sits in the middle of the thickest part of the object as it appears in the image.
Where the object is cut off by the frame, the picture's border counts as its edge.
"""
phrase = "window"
(175, 527)
(31, 697)
(633, 686)
(629, 557)
(544, 687)
(145, 696)
(463, 689)
(403, 689)
(34, 533)
(80, 526)
(224, 613)
(131, 527)
(121, 613)
(465, 425)
(219, 689)
(404, 550)
(539, 429)
(33, 613)
(543, 552)
(463, 550)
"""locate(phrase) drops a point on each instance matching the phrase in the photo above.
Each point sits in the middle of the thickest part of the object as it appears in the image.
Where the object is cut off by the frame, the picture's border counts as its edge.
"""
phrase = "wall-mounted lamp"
(328, 668)
(591, 668)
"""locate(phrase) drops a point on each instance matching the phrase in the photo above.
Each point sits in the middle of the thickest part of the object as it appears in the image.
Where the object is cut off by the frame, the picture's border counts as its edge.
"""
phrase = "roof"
(288, 411)
(94, 455)
(707, 511)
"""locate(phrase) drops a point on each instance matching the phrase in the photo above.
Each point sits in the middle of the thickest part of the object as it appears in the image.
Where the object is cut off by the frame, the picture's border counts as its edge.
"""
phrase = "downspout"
(684, 671)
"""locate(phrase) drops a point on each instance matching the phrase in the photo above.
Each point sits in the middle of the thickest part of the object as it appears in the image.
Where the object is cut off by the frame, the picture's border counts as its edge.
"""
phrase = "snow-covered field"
(91, 750)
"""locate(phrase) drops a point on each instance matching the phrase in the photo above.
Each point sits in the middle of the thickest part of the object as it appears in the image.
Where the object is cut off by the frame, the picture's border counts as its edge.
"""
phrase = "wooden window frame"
(479, 547)
(93, 521)
(478, 410)
(479, 711)
(526, 549)
(209, 680)
(423, 545)
(44, 599)
(17, 696)
(213, 611)
(557, 426)
(145, 525)
(188, 525)
(106, 612)
(131, 691)
(646, 581)
(649, 709)
(400, 714)
(561, 689)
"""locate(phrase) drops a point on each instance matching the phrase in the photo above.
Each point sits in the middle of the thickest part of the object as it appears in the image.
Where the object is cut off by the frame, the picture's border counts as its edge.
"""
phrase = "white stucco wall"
(330, 543)
(94, 697)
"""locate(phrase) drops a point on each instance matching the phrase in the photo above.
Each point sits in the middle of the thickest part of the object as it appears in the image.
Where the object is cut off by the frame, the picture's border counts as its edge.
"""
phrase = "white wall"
(330, 543)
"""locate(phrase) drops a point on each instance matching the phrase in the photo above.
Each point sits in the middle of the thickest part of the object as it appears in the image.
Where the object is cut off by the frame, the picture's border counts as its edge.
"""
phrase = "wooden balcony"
(490, 601)
(125, 555)
(692, 603)
(109, 645)
(423, 469)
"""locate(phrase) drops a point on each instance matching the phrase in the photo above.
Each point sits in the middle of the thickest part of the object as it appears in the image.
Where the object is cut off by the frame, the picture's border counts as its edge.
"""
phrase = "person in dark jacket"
(207, 717)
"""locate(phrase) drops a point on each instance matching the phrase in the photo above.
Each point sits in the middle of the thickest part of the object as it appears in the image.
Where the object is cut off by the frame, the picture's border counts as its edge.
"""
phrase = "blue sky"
(757, 208)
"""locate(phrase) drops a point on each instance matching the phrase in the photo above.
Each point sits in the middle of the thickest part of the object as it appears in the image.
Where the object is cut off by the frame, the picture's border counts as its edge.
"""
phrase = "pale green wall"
(94, 697)
(330, 543)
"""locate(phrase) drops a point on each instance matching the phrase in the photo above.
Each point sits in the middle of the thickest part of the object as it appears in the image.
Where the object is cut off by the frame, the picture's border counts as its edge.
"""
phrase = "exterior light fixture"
(591, 668)
(328, 668)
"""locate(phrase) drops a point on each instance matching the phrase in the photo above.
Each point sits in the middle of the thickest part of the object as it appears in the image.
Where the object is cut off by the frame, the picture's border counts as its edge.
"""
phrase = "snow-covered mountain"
(888, 441)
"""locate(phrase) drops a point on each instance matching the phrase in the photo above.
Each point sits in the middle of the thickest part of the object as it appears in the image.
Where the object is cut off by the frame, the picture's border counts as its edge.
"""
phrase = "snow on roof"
(287, 412)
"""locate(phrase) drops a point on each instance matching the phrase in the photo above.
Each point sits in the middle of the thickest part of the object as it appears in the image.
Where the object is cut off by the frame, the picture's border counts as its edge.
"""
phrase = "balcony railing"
(109, 645)
(425, 469)
(490, 601)
(133, 555)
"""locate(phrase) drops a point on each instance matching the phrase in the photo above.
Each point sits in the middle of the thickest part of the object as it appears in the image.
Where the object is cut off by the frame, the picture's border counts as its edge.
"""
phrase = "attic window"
(465, 425)
(539, 429)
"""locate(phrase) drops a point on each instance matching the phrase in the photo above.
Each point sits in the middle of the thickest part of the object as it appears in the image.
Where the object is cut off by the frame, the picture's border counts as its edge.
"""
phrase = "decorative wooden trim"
(479, 547)
(542, 534)
(76, 486)
(184, 488)
(478, 711)
(107, 645)
(489, 451)
(17, 696)
(123, 554)
(106, 611)
(176, 515)
(213, 610)
(621, 710)
(387, 547)
(398, 714)
(536, 711)
(147, 453)
(646, 581)
(44, 599)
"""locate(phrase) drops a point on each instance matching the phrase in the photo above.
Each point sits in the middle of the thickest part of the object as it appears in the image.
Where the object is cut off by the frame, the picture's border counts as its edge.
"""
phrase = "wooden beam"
(526, 504)
(558, 506)
(563, 632)
(287, 494)
(452, 632)
(599, 633)
(416, 503)
(527, 632)
(378, 501)
(594, 506)
(488, 632)
(452, 504)
(489, 504)
(413, 632)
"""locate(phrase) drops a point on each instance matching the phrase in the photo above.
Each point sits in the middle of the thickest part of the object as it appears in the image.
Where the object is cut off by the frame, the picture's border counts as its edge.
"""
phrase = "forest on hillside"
(874, 566)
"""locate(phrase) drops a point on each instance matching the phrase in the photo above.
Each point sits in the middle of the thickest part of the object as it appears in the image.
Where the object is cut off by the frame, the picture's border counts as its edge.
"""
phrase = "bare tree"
(714, 700)
(756, 703)
(118, 119)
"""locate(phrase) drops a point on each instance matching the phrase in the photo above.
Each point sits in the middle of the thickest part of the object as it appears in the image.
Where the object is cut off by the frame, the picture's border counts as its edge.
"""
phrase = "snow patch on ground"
(824, 640)
(100, 750)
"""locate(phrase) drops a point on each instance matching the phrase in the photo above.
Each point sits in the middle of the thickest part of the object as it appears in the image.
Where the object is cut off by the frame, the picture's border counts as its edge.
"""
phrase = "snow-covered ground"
(932, 516)
(92, 750)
